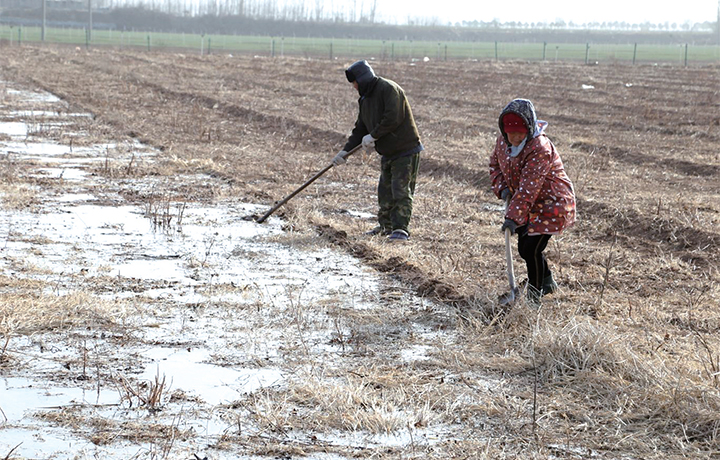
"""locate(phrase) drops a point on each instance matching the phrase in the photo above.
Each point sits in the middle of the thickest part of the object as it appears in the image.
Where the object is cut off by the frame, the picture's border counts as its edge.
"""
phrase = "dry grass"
(15, 196)
(623, 360)
(25, 311)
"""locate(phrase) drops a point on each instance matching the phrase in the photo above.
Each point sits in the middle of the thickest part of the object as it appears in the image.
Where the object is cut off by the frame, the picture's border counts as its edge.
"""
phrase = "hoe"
(302, 187)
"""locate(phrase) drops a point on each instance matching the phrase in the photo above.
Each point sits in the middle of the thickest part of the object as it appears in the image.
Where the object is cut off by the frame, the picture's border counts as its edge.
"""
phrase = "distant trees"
(363, 11)
(560, 24)
(343, 11)
(356, 11)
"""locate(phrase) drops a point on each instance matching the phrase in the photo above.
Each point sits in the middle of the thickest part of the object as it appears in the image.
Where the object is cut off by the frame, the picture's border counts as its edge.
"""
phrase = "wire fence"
(332, 48)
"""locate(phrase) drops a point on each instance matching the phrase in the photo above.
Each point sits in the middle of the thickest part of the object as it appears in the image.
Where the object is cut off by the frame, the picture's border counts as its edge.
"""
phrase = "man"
(385, 122)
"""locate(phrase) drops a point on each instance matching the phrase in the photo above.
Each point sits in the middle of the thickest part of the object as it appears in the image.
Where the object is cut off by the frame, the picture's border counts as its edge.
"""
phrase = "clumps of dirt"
(423, 284)
(436, 168)
(235, 112)
(630, 157)
(630, 225)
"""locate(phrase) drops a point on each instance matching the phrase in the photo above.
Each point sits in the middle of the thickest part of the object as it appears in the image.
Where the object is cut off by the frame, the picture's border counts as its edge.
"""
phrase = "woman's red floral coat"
(542, 193)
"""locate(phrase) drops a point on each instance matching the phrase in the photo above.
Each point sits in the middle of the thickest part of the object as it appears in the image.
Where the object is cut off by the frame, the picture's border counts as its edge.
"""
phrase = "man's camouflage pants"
(396, 188)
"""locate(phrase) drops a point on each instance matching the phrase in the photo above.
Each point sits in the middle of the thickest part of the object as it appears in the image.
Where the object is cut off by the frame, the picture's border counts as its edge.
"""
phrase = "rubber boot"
(548, 285)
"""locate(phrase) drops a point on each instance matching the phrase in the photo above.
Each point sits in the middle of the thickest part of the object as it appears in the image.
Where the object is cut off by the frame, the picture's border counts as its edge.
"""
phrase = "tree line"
(349, 11)
(307, 18)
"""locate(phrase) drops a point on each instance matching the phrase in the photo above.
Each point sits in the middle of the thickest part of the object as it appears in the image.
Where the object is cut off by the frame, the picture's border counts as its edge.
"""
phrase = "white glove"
(340, 158)
(368, 142)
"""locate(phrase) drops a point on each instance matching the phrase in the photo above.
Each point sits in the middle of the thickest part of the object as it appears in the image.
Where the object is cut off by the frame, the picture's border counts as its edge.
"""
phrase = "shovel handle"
(508, 254)
(302, 187)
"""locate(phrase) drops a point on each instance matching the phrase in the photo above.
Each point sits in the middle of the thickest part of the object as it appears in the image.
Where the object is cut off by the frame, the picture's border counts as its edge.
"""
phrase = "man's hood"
(361, 72)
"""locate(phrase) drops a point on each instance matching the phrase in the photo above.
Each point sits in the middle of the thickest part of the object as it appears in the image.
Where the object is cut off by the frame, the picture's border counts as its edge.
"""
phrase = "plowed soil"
(624, 359)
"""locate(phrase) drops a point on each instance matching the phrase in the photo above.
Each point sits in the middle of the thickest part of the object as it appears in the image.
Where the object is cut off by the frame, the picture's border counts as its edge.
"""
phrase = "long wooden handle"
(302, 187)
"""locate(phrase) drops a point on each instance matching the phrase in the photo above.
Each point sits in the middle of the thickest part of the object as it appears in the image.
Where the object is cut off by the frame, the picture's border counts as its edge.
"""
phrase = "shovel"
(509, 298)
(302, 187)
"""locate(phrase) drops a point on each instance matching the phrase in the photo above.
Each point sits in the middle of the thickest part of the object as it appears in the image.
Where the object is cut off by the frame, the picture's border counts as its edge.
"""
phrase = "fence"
(683, 54)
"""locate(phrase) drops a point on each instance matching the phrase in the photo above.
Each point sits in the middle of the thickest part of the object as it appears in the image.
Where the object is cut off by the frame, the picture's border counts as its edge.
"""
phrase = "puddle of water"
(45, 114)
(186, 370)
(415, 353)
(21, 395)
(34, 149)
(68, 173)
(32, 96)
(212, 243)
(14, 128)
(51, 443)
(362, 215)
(212, 246)
(68, 156)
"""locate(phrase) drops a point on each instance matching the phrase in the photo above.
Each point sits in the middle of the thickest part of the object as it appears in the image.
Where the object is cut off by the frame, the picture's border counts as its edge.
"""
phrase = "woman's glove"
(509, 224)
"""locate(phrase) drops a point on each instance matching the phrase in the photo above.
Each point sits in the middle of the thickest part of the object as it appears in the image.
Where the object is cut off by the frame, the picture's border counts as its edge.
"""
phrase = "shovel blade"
(509, 297)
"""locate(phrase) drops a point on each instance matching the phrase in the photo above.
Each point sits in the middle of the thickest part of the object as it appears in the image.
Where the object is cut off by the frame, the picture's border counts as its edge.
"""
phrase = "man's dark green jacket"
(386, 115)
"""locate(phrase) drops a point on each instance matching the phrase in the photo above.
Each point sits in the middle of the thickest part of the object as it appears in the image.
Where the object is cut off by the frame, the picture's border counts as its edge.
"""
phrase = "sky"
(578, 11)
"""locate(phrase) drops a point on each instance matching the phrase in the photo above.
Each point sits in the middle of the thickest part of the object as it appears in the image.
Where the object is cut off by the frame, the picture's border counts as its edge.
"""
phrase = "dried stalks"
(147, 394)
(161, 214)
(622, 360)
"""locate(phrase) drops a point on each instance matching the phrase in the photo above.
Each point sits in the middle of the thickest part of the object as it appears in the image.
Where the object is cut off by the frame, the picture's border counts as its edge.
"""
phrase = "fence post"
(148, 42)
(19, 35)
(496, 53)
(44, 17)
(686, 54)
(87, 38)
(446, 52)
(634, 53)
(331, 53)
(209, 43)
(587, 52)
(544, 49)
(392, 52)
(272, 48)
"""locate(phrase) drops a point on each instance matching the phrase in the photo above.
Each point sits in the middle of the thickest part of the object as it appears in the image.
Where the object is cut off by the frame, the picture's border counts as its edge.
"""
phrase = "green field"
(377, 49)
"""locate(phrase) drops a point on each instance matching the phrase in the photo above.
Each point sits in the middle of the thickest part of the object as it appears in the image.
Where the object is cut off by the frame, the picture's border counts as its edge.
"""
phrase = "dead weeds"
(622, 361)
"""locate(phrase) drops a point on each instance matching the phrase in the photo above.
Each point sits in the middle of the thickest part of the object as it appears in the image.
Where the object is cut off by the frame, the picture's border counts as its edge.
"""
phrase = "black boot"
(548, 285)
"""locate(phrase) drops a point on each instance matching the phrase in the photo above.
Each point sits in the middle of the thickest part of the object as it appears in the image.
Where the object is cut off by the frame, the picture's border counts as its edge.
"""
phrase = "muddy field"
(143, 314)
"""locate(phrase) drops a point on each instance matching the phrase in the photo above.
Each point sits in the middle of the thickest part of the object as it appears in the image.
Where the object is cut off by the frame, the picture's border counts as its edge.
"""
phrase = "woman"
(526, 167)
